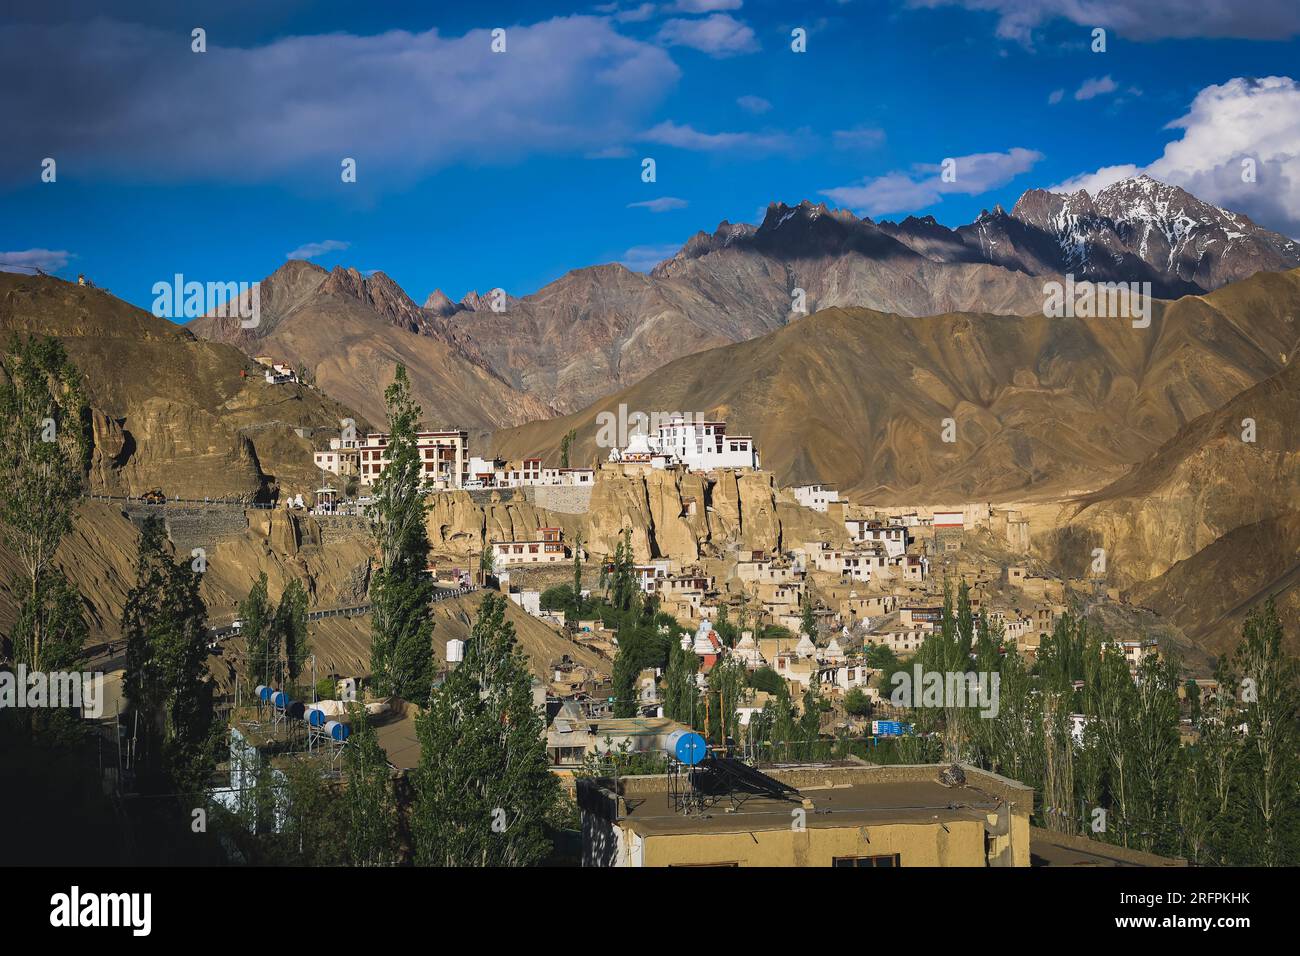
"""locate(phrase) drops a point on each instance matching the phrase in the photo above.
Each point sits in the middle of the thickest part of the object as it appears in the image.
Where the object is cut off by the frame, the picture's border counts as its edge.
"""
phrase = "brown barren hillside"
(333, 564)
(349, 332)
(1041, 405)
(1209, 594)
(192, 417)
(602, 328)
(1206, 526)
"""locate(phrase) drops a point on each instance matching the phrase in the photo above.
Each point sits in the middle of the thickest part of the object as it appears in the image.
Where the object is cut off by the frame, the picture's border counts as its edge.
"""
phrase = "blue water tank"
(338, 731)
(264, 693)
(315, 716)
(687, 746)
(280, 699)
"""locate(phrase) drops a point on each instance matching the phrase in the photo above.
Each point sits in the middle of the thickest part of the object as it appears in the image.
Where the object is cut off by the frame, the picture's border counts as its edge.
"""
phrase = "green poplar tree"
(1112, 705)
(726, 690)
(808, 620)
(681, 694)
(291, 626)
(621, 580)
(483, 790)
(261, 637)
(401, 594)
(165, 624)
(44, 453)
(577, 573)
(778, 719)
(810, 718)
(1154, 745)
(369, 797)
(1269, 695)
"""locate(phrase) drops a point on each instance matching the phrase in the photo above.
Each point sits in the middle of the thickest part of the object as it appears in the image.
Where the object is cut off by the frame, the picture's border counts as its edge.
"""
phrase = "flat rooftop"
(831, 795)
(851, 806)
(632, 726)
(1047, 848)
(396, 736)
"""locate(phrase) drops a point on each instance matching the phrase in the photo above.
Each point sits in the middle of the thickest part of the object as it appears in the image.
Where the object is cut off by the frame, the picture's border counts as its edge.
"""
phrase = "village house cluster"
(873, 582)
(443, 456)
(880, 589)
(816, 611)
(448, 465)
(522, 473)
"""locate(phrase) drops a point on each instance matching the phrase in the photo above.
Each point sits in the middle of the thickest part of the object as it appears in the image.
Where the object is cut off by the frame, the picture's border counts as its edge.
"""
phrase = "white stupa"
(747, 650)
(706, 639)
(639, 448)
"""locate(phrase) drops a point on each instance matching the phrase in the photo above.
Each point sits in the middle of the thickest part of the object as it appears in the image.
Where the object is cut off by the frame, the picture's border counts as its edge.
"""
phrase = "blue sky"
(477, 170)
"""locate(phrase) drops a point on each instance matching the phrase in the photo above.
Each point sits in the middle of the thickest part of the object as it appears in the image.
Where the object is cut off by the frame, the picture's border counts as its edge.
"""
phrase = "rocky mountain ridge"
(601, 328)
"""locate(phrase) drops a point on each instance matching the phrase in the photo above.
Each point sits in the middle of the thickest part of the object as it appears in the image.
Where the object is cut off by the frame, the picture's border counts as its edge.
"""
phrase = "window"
(890, 860)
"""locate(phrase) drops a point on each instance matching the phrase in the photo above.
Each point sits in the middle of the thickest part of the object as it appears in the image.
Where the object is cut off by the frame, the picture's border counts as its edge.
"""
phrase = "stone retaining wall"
(190, 528)
(563, 499)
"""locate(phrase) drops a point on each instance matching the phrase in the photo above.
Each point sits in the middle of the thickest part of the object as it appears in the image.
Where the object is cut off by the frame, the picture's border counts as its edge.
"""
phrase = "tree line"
(1107, 750)
(482, 793)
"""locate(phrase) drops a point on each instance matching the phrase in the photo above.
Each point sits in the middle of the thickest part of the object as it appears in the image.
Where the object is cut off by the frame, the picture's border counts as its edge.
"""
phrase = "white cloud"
(1097, 86)
(29, 260)
(860, 137)
(923, 186)
(311, 250)
(707, 6)
(645, 258)
(610, 152)
(662, 204)
(1095, 182)
(687, 137)
(1055, 97)
(1145, 20)
(1257, 119)
(395, 101)
(718, 35)
(753, 104)
(636, 14)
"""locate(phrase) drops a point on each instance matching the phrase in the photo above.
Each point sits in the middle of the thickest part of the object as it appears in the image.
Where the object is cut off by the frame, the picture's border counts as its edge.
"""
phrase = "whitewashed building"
(817, 497)
(649, 575)
(444, 458)
(279, 374)
(698, 445)
(342, 457)
(892, 536)
(547, 548)
(527, 472)
(950, 519)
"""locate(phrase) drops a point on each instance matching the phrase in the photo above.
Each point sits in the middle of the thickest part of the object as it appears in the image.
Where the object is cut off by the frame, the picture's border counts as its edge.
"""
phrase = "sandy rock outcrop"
(683, 516)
